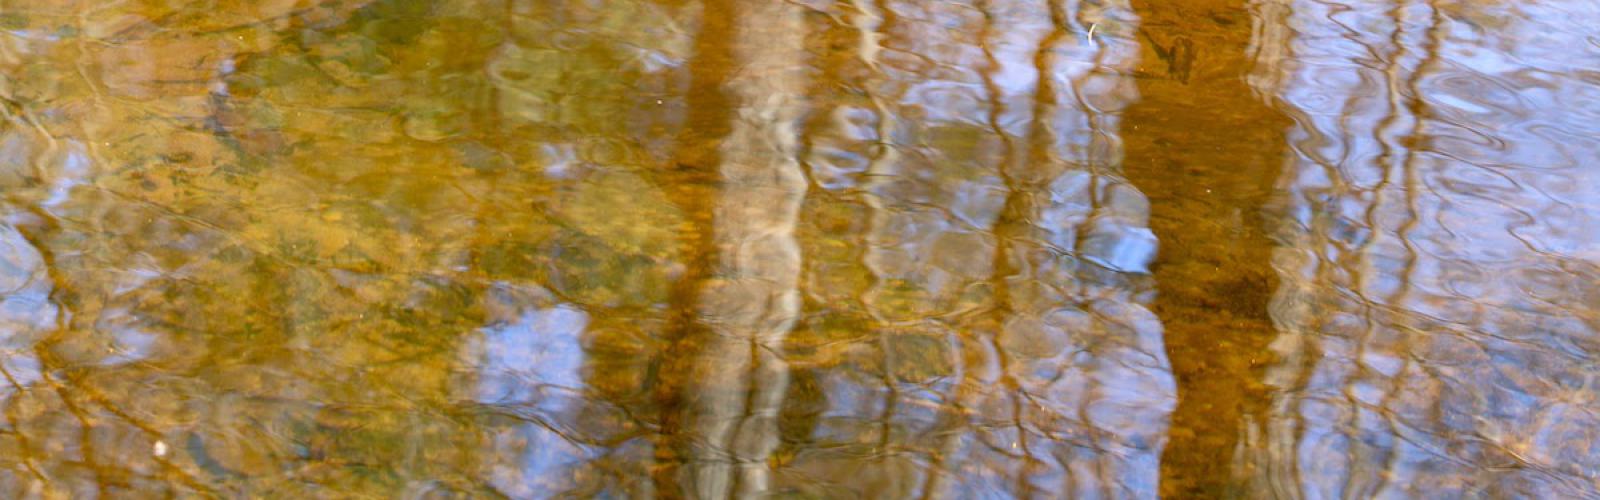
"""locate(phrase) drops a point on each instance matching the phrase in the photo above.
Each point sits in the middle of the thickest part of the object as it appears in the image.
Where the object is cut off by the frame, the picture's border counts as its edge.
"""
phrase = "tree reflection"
(999, 344)
(1433, 311)
(408, 247)
(740, 375)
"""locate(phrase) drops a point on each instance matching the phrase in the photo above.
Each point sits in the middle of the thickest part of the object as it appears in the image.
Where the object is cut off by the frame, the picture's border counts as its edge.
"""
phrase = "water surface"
(810, 249)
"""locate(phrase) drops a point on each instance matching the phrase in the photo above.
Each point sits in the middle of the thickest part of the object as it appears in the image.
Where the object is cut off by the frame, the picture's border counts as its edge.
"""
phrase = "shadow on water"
(1207, 151)
(706, 122)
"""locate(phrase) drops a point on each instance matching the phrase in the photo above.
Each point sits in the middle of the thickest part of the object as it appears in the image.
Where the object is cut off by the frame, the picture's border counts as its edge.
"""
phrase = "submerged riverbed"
(807, 249)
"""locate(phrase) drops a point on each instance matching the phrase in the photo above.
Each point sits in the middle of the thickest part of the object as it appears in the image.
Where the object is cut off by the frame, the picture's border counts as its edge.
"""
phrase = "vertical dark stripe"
(1207, 153)
(690, 183)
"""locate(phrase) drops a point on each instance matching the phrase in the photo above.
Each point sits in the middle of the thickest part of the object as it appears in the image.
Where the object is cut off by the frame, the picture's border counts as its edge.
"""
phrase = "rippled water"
(812, 249)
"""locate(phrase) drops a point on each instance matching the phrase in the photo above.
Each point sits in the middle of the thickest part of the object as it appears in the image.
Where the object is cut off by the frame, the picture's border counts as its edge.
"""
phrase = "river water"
(800, 249)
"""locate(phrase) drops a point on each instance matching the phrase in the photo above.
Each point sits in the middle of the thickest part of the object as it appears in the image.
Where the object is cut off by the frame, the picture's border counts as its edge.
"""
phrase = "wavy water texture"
(992, 337)
(387, 247)
(813, 248)
(1438, 259)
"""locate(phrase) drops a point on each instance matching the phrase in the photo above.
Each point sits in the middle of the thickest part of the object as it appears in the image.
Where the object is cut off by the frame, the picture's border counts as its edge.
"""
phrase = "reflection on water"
(975, 283)
(737, 248)
(1437, 318)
